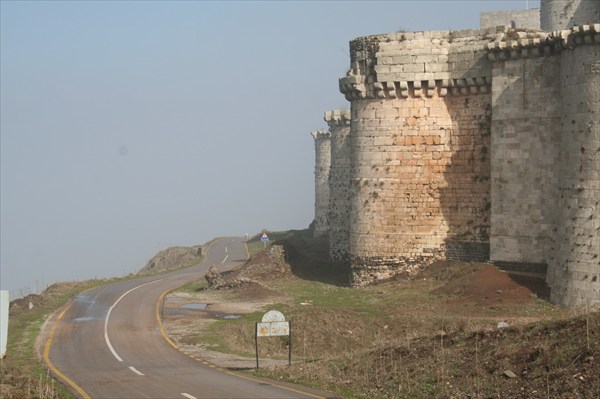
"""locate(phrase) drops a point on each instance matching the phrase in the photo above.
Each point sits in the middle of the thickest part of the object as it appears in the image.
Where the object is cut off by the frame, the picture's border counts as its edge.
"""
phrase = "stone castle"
(474, 145)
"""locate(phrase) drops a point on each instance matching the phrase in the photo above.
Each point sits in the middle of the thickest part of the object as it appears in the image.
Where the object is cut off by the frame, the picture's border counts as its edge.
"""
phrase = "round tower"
(564, 14)
(574, 271)
(419, 140)
(339, 184)
(322, 168)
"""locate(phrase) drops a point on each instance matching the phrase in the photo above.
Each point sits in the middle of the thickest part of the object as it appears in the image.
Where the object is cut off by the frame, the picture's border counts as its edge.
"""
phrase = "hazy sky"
(129, 127)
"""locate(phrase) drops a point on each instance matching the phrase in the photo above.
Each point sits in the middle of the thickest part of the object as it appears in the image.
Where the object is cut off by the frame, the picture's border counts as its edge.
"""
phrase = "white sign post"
(4, 301)
(274, 325)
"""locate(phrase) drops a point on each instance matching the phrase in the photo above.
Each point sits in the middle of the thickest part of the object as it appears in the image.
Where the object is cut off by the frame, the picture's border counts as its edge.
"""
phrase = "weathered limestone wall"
(322, 167)
(339, 184)
(420, 136)
(472, 145)
(564, 14)
(574, 271)
(546, 158)
(525, 134)
(528, 19)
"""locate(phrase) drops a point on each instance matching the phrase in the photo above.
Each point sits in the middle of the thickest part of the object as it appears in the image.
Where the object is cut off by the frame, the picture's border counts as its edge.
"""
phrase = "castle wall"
(475, 145)
(529, 19)
(525, 134)
(546, 158)
(339, 184)
(322, 167)
(564, 14)
(419, 138)
(574, 272)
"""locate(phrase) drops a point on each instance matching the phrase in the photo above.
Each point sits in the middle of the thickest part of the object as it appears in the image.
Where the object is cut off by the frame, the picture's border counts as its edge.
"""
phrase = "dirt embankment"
(173, 258)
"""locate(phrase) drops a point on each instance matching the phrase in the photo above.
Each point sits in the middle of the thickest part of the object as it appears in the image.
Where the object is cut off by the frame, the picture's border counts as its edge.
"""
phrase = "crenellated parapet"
(321, 135)
(337, 117)
(523, 44)
(418, 88)
(419, 64)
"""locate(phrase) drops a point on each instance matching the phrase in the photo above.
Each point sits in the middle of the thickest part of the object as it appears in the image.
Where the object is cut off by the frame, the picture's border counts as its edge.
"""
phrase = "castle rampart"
(545, 188)
(524, 144)
(339, 184)
(322, 168)
(474, 145)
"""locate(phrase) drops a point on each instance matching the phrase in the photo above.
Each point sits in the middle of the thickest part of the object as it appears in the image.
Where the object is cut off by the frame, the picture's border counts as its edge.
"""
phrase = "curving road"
(109, 343)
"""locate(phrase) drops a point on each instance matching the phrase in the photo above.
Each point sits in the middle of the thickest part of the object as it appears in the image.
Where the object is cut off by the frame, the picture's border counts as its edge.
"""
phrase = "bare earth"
(179, 321)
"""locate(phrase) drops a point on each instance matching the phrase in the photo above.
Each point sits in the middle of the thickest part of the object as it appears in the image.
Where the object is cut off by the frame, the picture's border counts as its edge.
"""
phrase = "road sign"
(264, 237)
(273, 324)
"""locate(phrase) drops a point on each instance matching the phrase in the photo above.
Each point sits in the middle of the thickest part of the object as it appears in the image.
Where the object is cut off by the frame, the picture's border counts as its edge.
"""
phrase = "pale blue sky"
(129, 127)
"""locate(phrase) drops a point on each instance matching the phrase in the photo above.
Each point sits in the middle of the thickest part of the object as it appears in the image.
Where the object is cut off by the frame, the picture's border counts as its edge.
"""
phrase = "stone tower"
(574, 270)
(322, 168)
(420, 141)
(339, 184)
(545, 178)
(565, 14)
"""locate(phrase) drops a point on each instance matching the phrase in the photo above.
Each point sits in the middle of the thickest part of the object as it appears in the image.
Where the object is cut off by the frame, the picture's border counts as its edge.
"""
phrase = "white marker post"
(4, 301)
(274, 325)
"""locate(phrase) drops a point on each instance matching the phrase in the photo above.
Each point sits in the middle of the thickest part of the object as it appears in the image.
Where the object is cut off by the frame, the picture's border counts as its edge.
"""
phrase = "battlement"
(418, 88)
(337, 117)
(419, 64)
(320, 134)
(540, 44)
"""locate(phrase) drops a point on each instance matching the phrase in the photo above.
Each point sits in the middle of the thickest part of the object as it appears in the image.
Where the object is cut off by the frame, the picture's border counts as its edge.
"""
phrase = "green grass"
(254, 244)
(329, 296)
(194, 286)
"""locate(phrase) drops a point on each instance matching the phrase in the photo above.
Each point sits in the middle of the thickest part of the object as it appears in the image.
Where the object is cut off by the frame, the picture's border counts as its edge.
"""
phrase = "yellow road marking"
(51, 366)
(159, 319)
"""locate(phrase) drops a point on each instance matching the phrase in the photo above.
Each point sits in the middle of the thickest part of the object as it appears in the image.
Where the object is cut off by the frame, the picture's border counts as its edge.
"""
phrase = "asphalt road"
(109, 343)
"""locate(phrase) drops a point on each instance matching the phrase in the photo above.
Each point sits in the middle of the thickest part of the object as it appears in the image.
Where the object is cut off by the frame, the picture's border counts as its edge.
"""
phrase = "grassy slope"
(21, 374)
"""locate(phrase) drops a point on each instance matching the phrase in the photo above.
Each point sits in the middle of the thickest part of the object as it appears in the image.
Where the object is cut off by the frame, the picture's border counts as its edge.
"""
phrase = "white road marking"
(135, 370)
(225, 249)
(108, 315)
(187, 395)
(226, 256)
